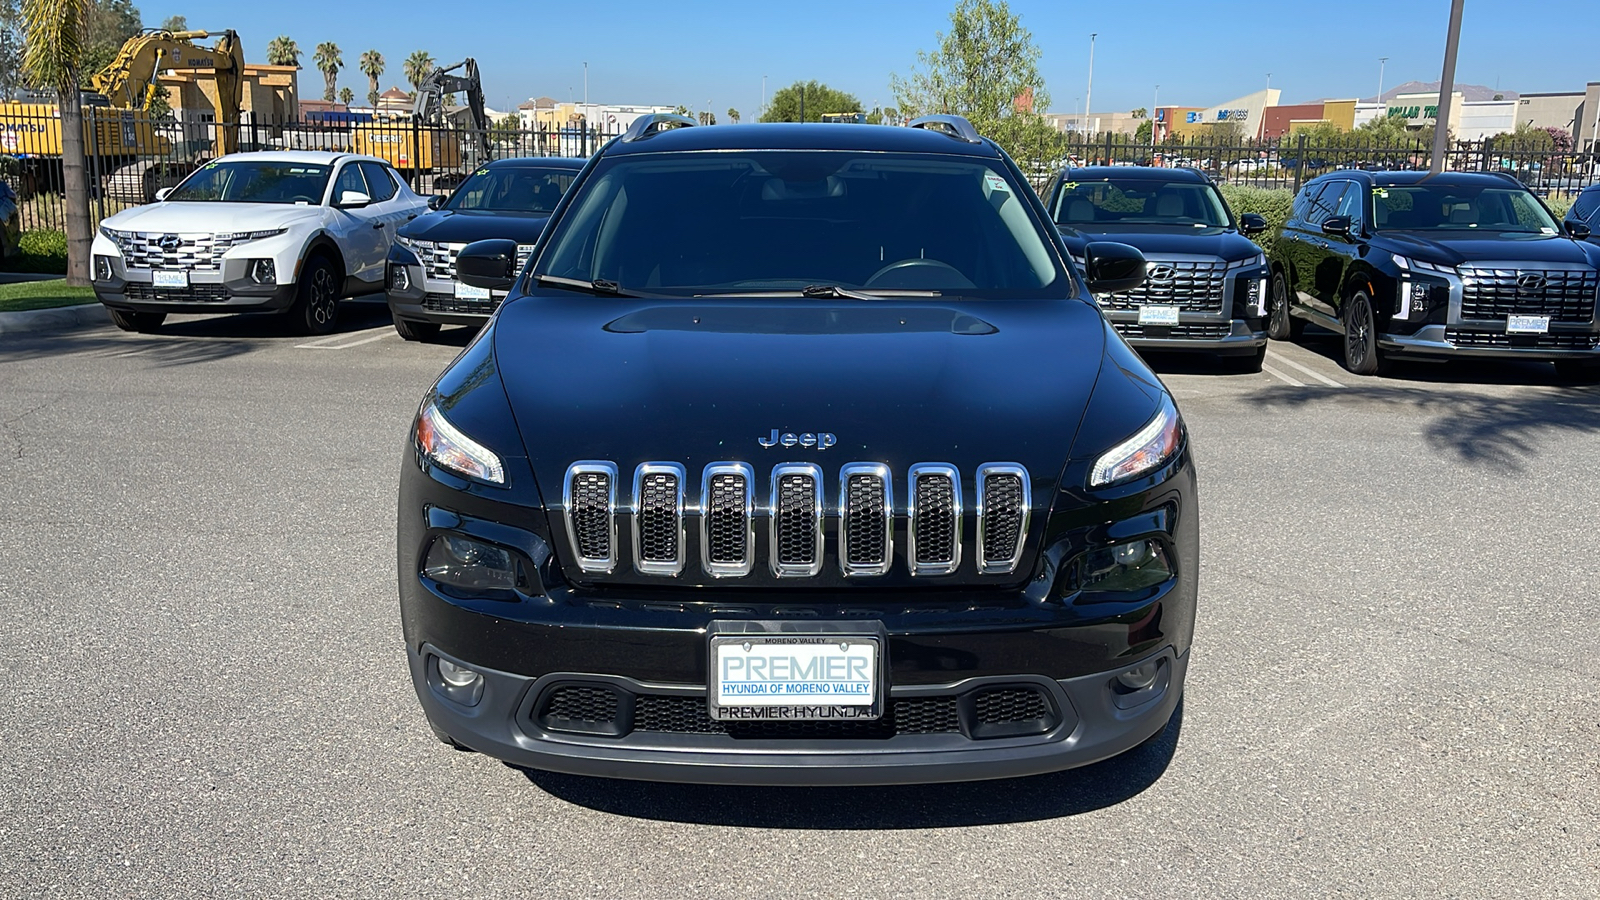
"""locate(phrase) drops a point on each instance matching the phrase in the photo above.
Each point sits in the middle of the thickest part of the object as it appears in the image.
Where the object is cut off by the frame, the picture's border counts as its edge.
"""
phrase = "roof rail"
(955, 126)
(655, 123)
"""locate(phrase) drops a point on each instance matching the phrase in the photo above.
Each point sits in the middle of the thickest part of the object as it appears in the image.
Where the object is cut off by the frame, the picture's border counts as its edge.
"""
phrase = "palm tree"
(283, 51)
(56, 34)
(733, 115)
(329, 62)
(417, 66)
(346, 96)
(371, 65)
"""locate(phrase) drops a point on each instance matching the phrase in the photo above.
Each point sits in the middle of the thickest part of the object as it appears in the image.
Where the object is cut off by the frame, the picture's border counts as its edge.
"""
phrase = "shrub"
(1272, 203)
(39, 251)
(1559, 204)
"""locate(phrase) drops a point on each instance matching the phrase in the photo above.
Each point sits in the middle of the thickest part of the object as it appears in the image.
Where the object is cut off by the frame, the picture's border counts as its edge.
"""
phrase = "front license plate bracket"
(825, 671)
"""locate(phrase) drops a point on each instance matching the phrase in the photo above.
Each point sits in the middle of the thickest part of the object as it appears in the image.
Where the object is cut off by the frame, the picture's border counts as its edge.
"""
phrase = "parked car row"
(295, 232)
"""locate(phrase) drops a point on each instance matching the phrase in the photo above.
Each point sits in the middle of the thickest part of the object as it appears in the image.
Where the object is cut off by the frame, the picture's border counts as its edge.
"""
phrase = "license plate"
(160, 278)
(1527, 324)
(468, 292)
(1158, 315)
(794, 677)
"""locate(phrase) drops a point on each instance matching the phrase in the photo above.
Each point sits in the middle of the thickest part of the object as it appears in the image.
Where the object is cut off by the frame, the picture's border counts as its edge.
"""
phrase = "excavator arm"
(130, 81)
(428, 108)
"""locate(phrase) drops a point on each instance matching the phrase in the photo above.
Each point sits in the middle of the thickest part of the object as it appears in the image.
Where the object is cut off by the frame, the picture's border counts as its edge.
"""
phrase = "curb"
(60, 318)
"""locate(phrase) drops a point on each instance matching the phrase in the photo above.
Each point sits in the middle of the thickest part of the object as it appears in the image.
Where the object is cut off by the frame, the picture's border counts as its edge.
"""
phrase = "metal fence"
(1289, 162)
(131, 156)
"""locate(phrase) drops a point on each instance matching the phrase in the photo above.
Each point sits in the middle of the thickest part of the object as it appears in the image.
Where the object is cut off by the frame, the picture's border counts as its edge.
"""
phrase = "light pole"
(1382, 61)
(1155, 107)
(763, 98)
(1447, 85)
(1088, 95)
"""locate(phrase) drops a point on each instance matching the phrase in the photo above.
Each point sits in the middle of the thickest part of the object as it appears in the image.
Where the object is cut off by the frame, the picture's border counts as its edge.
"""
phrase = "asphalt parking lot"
(1393, 689)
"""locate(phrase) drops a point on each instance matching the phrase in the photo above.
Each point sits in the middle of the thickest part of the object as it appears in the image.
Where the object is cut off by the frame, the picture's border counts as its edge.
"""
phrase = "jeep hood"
(1222, 243)
(211, 217)
(962, 382)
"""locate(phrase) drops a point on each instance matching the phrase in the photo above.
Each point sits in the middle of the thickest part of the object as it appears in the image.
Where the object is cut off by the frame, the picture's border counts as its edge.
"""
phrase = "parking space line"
(1322, 378)
(324, 343)
(1281, 377)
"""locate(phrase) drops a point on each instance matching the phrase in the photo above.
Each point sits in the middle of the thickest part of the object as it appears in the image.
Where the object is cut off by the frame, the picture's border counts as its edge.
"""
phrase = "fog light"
(469, 565)
(1135, 679)
(102, 268)
(263, 271)
(463, 677)
(399, 278)
(1130, 566)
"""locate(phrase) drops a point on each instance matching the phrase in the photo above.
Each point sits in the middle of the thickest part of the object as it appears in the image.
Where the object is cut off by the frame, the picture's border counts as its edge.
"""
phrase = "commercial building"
(1573, 112)
(1281, 121)
(1240, 117)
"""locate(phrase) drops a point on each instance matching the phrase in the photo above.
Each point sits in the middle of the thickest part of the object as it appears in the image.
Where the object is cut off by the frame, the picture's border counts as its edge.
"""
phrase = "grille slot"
(866, 526)
(934, 519)
(796, 517)
(687, 715)
(727, 529)
(450, 303)
(1202, 332)
(1462, 338)
(194, 293)
(658, 518)
(1566, 295)
(1195, 286)
(1004, 504)
(590, 501)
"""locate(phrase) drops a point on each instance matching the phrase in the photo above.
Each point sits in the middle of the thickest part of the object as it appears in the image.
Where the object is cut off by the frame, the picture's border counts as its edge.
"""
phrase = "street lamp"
(1382, 61)
(1447, 85)
(1088, 95)
(1155, 106)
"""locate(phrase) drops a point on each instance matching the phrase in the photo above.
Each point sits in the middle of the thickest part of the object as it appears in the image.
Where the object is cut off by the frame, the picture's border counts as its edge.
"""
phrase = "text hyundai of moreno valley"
(798, 455)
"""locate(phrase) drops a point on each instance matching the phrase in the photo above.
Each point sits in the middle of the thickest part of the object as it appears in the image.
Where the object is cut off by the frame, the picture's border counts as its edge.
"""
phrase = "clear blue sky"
(713, 55)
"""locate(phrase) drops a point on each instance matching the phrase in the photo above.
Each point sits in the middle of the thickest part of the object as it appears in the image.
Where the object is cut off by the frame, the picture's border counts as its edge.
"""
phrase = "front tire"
(142, 322)
(1281, 326)
(416, 331)
(1361, 354)
(1249, 364)
(316, 304)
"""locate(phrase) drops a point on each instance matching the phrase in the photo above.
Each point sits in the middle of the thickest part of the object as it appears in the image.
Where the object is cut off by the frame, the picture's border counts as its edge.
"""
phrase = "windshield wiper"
(601, 286)
(823, 292)
(834, 292)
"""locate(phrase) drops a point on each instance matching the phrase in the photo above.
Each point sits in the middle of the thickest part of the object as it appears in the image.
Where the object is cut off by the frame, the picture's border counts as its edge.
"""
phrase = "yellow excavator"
(31, 132)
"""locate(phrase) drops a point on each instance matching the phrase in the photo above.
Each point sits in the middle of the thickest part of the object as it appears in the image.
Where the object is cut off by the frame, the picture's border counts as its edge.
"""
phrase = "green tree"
(818, 99)
(346, 96)
(1143, 133)
(283, 51)
(733, 115)
(57, 33)
(1140, 113)
(10, 49)
(329, 60)
(682, 110)
(417, 66)
(372, 66)
(111, 24)
(175, 23)
(707, 117)
(507, 130)
(986, 69)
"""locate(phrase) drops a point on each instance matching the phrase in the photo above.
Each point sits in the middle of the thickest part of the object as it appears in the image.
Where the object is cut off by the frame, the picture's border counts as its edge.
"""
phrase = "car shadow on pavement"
(1039, 797)
(1500, 433)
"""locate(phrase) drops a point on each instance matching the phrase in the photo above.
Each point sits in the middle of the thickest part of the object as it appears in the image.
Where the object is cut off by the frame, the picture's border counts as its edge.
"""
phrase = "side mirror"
(1252, 223)
(437, 201)
(1111, 268)
(1336, 225)
(1577, 230)
(353, 200)
(162, 194)
(490, 264)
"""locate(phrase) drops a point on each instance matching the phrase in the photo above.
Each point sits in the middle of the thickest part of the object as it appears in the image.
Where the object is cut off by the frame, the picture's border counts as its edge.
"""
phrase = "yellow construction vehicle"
(130, 81)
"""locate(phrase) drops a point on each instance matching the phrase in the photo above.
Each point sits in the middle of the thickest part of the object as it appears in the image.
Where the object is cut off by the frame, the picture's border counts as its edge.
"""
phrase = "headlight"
(1418, 282)
(448, 448)
(239, 237)
(470, 565)
(110, 233)
(413, 243)
(1149, 449)
(1133, 566)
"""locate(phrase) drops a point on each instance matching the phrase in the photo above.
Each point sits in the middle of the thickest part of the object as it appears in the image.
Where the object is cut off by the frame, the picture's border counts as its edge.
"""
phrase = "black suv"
(798, 455)
(507, 198)
(1454, 264)
(1207, 282)
(1583, 218)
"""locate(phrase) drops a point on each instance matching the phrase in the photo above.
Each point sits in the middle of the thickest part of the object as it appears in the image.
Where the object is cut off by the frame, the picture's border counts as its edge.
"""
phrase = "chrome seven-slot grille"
(169, 250)
(1565, 295)
(1192, 286)
(655, 517)
(438, 258)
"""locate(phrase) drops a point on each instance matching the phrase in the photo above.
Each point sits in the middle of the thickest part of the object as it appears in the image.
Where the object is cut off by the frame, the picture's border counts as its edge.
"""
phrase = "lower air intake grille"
(935, 520)
(687, 715)
(1009, 705)
(194, 293)
(1521, 341)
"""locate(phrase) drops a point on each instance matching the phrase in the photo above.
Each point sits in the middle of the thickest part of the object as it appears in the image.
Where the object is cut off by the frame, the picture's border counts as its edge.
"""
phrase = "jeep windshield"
(254, 181)
(1503, 209)
(512, 189)
(1108, 204)
(816, 224)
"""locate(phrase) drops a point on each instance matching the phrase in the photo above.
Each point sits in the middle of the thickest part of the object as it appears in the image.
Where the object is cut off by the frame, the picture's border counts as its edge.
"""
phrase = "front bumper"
(208, 291)
(1564, 342)
(1086, 721)
(434, 300)
(1194, 333)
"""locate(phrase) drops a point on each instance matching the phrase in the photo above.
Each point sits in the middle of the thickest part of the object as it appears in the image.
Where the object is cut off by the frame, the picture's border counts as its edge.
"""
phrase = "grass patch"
(42, 295)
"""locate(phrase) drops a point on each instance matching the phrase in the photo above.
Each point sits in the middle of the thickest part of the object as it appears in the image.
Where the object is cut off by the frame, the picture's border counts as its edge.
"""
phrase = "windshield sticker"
(481, 172)
(1546, 229)
(996, 183)
(1380, 192)
(1069, 185)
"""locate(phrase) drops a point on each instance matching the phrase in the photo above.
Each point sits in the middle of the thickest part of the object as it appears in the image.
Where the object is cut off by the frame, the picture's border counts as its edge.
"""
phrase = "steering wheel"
(918, 274)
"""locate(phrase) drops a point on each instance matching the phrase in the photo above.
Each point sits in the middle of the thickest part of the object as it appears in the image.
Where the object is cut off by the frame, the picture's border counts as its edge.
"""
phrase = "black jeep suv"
(798, 455)
(507, 198)
(1454, 264)
(1207, 281)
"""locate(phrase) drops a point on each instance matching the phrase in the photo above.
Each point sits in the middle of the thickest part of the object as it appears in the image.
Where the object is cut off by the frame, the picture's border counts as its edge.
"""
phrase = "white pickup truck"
(290, 232)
